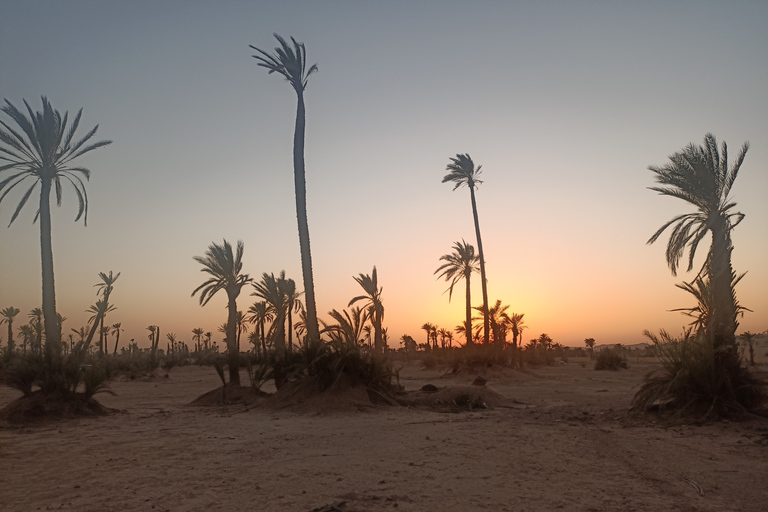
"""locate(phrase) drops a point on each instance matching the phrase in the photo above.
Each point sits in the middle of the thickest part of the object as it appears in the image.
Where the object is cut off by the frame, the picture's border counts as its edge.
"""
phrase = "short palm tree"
(98, 310)
(117, 328)
(292, 304)
(701, 176)
(373, 303)
(463, 172)
(260, 313)
(225, 269)
(105, 287)
(272, 292)
(290, 61)
(197, 336)
(40, 149)
(429, 328)
(36, 322)
(516, 324)
(459, 265)
(348, 329)
(7, 315)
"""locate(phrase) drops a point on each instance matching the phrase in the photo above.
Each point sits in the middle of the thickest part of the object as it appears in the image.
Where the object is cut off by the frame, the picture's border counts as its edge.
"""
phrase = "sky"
(564, 104)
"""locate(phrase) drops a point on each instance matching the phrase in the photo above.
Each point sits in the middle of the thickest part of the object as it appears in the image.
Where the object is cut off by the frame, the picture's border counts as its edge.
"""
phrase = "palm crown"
(224, 266)
(462, 172)
(291, 62)
(698, 175)
(458, 265)
(43, 152)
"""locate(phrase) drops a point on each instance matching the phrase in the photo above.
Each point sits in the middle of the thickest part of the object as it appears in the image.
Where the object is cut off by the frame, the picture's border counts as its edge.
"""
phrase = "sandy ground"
(569, 444)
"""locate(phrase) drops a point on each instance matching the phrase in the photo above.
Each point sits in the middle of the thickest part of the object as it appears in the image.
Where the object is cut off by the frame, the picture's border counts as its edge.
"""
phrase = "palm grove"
(40, 148)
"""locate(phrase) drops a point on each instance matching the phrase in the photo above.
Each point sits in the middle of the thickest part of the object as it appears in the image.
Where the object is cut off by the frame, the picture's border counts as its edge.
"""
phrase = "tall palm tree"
(117, 328)
(374, 304)
(105, 287)
(8, 314)
(700, 175)
(273, 293)
(36, 322)
(291, 62)
(259, 313)
(42, 152)
(459, 265)
(463, 172)
(225, 269)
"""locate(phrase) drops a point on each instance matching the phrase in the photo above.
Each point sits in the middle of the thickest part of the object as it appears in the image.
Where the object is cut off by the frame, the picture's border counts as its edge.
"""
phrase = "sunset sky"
(564, 104)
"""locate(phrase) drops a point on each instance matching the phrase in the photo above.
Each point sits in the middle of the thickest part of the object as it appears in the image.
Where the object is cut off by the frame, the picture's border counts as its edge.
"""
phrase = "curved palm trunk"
(51, 319)
(486, 320)
(468, 312)
(300, 184)
(233, 357)
(117, 340)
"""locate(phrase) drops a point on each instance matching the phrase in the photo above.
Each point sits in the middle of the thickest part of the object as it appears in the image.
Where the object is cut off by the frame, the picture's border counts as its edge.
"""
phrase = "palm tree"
(459, 265)
(225, 269)
(374, 304)
(27, 335)
(36, 323)
(700, 175)
(197, 336)
(590, 344)
(99, 310)
(8, 314)
(273, 293)
(291, 63)
(292, 303)
(497, 320)
(116, 330)
(463, 172)
(105, 287)
(348, 329)
(515, 322)
(260, 313)
(429, 328)
(42, 151)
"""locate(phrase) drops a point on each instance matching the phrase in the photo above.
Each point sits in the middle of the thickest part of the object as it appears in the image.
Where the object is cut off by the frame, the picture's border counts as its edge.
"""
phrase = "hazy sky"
(564, 104)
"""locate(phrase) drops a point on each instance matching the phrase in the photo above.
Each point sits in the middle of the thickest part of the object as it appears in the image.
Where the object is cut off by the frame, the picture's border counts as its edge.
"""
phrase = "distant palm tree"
(27, 336)
(374, 304)
(429, 328)
(42, 151)
(291, 63)
(273, 293)
(516, 324)
(590, 344)
(197, 336)
(700, 175)
(497, 320)
(116, 330)
(292, 304)
(259, 313)
(8, 314)
(36, 322)
(225, 269)
(99, 309)
(463, 172)
(459, 265)
(105, 287)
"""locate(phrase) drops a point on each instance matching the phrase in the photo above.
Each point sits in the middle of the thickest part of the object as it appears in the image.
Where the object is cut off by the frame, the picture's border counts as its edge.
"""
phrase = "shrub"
(610, 359)
(697, 378)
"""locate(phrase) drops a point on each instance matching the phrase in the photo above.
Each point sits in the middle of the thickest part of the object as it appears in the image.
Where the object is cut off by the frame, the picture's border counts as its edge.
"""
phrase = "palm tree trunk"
(117, 340)
(233, 359)
(378, 343)
(300, 185)
(468, 320)
(10, 337)
(486, 320)
(722, 321)
(52, 327)
(290, 331)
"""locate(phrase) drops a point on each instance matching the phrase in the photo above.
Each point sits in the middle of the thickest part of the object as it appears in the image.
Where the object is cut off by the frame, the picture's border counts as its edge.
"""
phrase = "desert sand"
(563, 440)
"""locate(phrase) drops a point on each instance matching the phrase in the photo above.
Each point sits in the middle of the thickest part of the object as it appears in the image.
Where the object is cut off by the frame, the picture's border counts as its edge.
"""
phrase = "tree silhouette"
(292, 304)
(273, 292)
(7, 315)
(463, 172)
(36, 323)
(42, 152)
(429, 328)
(700, 175)
(105, 287)
(225, 269)
(260, 313)
(291, 62)
(348, 329)
(117, 328)
(374, 304)
(459, 265)
(197, 336)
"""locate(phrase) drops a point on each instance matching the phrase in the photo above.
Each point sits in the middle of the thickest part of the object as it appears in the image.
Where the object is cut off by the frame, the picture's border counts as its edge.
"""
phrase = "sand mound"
(494, 372)
(229, 395)
(457, 399)
(303, 396)
(38, 407)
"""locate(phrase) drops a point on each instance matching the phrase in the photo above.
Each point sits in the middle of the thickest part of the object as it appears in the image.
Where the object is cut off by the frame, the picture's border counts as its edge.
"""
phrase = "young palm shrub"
(610, 359)
(691, 380)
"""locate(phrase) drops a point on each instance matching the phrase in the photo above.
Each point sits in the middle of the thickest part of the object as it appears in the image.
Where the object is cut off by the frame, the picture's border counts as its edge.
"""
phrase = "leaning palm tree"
(463, 172)
(7, 315)
(98, 310)
(225, 269)
(105, 287)
(700, 175)
(42, 152)
(459, 265)
(374, 304)
(291, 62)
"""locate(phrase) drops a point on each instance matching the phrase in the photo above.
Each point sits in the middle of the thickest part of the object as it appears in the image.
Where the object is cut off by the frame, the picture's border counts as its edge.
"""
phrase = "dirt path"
(568, 445)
